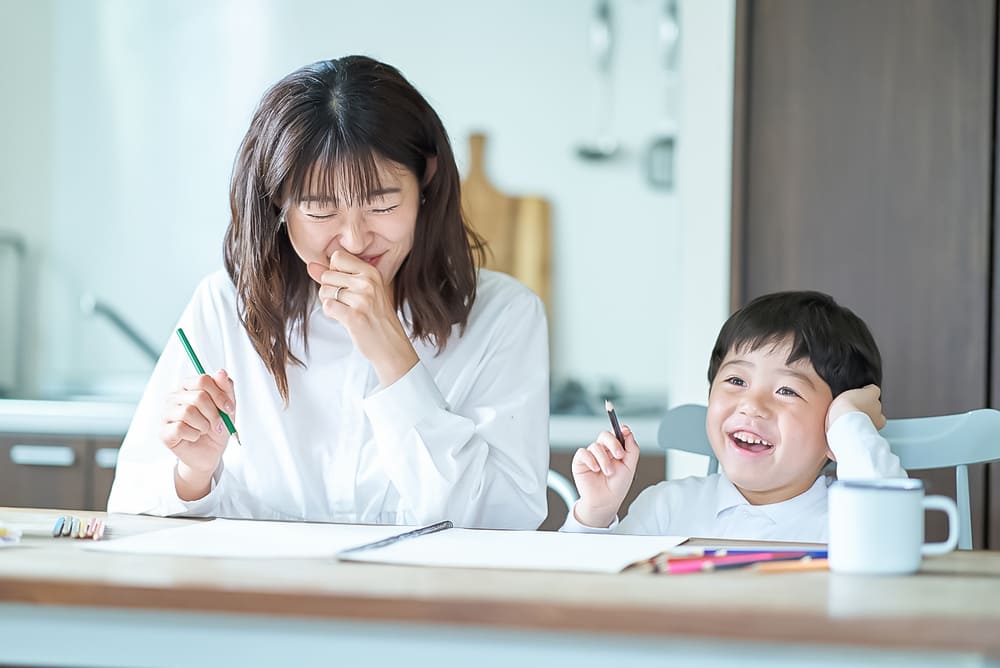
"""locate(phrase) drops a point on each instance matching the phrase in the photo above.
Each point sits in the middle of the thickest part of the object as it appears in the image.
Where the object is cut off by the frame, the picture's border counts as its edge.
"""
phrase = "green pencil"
(200, 369)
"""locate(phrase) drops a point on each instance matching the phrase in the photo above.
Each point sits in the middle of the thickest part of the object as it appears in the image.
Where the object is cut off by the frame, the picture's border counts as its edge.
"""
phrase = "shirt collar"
(727, 496)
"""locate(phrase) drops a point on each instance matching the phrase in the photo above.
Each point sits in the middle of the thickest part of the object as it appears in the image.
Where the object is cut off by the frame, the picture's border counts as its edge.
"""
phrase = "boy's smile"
(749, 442)
(767, 422)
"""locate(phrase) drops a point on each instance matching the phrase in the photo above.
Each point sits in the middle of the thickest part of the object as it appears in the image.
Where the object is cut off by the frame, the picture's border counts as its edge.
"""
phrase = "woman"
(376, 375)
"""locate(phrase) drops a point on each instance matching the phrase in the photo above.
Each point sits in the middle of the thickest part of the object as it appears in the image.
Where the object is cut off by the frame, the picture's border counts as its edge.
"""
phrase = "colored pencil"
(200, 369)
(713, 563)
(799, 566)
(723, 551)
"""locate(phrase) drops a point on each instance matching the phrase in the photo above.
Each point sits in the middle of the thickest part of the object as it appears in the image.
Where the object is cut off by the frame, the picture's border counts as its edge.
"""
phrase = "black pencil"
(610, 408)
(422, 531)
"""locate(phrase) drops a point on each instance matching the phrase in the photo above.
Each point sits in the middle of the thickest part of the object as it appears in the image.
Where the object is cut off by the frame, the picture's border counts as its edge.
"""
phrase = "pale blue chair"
(561, 485)
(920, 443)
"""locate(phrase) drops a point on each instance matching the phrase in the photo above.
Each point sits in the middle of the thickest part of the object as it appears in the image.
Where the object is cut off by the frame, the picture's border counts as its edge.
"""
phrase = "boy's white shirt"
(712, 507)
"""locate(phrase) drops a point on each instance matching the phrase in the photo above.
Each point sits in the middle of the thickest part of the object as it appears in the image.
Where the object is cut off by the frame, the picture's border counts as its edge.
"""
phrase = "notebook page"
(521, 550)
(250, 539)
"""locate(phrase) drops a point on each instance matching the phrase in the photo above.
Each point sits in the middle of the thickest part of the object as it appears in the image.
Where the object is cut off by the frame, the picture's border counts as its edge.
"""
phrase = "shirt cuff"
(401, 406)
(847, 428)
(862, 453)
(205, 506)
(572, 525)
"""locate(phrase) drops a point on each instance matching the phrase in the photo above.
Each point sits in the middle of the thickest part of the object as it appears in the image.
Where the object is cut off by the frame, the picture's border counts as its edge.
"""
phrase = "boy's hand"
(865, 399)
(603, 473)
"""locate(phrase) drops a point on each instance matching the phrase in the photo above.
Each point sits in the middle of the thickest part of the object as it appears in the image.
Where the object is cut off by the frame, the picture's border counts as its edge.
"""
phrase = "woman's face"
(378, 230)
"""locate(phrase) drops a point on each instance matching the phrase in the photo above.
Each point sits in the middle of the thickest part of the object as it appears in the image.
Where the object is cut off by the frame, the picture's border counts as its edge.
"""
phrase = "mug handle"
(946, 505)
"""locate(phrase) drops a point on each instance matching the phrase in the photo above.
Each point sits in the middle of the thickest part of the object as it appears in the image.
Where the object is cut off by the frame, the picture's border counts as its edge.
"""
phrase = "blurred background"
(121, 120)
(666, 161)
(605, 126)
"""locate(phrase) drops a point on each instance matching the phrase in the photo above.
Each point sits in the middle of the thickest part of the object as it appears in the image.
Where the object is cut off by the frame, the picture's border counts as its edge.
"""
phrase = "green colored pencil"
(200, 369)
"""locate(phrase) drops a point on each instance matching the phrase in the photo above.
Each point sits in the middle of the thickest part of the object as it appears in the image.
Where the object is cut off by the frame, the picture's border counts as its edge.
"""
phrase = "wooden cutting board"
(517, 228)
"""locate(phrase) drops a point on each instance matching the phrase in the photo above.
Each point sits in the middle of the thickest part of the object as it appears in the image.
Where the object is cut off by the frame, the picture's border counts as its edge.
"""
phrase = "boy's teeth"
(748, 438)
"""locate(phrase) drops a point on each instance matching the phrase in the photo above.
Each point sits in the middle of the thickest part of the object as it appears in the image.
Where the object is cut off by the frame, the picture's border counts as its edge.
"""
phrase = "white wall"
(25, 149)
(701, 279)
(149, 101)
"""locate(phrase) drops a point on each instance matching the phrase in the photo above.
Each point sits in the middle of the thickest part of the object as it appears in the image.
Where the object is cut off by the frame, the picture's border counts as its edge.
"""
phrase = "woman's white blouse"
(462, 436)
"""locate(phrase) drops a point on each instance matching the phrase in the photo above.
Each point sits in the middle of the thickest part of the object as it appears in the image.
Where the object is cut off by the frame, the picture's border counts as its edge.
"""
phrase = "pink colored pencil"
(712, 563)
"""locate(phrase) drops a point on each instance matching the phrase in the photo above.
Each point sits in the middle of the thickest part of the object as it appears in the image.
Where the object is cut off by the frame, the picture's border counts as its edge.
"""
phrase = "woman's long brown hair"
(339, 117)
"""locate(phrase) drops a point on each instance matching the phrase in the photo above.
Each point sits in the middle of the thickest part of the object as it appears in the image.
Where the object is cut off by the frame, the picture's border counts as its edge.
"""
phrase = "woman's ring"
(336, 295)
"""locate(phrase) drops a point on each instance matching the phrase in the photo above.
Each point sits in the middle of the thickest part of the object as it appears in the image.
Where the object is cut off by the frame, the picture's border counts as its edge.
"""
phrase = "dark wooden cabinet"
(104, 456)
(45, 472)
(864, 141)
(57, 471)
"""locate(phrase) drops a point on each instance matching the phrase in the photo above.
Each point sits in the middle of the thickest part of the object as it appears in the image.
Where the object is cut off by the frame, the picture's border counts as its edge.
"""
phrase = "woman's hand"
(603, 473)
(353, 293)
(193, 430)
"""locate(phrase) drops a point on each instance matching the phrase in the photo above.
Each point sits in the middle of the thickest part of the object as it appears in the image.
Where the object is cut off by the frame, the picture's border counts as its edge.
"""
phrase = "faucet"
(91, 305)
(20, 248)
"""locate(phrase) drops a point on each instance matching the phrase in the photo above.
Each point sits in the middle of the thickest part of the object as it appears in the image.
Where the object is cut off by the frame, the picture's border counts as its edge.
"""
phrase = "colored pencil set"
(717, 560)
(76, 527)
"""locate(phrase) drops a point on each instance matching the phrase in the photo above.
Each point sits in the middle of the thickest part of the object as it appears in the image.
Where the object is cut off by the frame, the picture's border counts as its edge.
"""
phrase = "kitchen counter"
(71, 418)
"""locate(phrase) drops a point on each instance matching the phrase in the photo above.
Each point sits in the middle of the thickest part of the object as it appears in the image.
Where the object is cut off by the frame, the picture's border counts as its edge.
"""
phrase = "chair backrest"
(562, 486)
(920, 443)
(683, 428)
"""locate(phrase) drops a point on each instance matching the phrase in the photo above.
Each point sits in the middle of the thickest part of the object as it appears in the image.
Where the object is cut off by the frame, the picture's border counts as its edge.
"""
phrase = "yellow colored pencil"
(800, 566)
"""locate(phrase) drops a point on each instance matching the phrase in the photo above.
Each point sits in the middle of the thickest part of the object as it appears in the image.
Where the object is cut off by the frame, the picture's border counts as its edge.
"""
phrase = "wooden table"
(61, 605)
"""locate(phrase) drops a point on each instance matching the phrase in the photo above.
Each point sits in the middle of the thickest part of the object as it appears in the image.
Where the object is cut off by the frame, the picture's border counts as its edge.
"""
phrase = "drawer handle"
(42, 455)
(106, 458)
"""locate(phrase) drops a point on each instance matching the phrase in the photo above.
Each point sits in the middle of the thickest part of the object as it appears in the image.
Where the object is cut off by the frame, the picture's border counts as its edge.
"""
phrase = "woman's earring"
(423, 199)
(281, 221)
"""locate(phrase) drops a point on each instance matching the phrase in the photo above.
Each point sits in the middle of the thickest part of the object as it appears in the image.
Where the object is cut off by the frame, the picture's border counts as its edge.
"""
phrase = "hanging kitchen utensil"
(603, 144)
(661, 153)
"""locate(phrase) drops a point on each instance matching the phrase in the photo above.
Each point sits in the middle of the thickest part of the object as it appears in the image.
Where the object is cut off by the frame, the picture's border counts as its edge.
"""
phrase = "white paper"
(249, 539)
(521, 550)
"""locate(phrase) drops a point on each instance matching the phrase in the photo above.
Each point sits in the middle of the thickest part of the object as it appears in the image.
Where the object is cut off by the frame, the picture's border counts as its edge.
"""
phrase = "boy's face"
(767, 423)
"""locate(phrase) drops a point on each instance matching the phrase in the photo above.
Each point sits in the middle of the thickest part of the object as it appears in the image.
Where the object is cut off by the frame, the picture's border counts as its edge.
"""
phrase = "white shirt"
(712, 507)
(462, 436)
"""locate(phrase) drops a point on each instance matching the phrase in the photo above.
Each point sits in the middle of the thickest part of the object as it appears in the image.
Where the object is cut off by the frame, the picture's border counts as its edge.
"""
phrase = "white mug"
(877, 526)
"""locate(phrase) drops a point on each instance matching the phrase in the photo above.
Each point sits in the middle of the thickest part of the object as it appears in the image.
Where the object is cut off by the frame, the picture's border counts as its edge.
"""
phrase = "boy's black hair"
(835, 340)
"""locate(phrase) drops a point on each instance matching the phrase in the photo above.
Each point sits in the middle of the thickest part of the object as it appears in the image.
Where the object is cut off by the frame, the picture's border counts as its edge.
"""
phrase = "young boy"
(793, 381)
